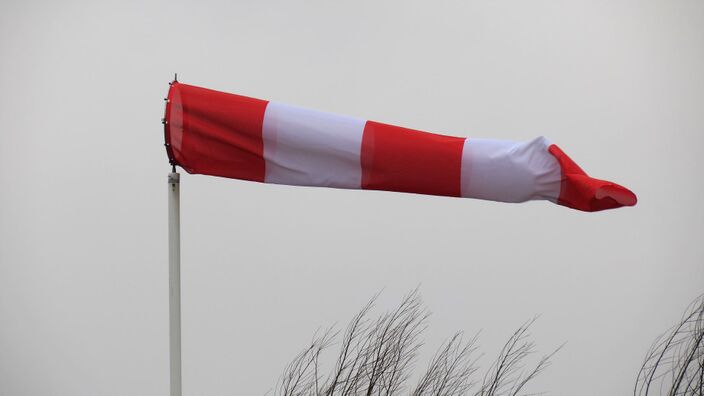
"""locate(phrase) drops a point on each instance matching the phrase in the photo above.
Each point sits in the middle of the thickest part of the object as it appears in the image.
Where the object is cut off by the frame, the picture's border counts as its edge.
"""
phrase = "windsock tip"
(588, 194)
(620, 194)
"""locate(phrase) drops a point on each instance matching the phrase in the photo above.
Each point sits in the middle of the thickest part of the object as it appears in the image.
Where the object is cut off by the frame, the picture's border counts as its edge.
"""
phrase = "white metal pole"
(175, 283)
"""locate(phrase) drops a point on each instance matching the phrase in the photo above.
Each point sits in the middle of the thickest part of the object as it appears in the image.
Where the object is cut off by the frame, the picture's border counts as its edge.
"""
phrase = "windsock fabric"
(221, 134)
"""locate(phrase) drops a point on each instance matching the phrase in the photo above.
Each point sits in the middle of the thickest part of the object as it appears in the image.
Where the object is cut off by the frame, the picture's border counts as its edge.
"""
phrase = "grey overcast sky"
(83, 259)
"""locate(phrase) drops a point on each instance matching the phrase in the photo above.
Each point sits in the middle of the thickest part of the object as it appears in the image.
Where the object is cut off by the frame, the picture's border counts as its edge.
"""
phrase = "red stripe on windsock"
(580, 191)
(215, 133)
(406, 160)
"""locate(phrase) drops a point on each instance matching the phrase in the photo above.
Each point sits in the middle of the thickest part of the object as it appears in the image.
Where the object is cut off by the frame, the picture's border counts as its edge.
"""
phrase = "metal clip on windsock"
(221, 134)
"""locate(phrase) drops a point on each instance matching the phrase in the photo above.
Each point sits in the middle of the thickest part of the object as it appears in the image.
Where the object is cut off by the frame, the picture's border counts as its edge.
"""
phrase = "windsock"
(222, 134)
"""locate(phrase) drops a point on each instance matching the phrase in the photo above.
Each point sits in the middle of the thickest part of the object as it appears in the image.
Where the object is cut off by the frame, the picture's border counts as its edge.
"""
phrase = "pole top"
(174, 177)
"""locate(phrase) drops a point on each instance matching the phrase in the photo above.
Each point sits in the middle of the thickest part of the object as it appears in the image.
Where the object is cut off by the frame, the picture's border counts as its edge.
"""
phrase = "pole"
(175, 282)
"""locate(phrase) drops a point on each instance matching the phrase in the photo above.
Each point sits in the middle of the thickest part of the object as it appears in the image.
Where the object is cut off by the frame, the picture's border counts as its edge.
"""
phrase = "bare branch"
(674, 364)
(450, 370)
(507, 375)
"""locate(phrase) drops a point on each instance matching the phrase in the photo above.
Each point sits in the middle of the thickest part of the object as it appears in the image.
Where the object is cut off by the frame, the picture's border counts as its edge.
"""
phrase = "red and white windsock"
(221, 134)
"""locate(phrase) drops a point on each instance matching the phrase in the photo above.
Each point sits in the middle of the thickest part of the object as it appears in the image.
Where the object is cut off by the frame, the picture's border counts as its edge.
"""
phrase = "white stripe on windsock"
(508, 171)
(311, 148)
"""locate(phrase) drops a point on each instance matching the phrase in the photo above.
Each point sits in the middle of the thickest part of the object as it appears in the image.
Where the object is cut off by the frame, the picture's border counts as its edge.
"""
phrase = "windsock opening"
(580, 191)
(173, 124)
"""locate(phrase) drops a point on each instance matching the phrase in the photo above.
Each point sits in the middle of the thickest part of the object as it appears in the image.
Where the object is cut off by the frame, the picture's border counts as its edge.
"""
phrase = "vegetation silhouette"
(377, 356)
(674, 364)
